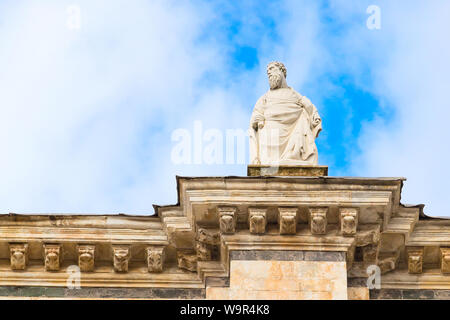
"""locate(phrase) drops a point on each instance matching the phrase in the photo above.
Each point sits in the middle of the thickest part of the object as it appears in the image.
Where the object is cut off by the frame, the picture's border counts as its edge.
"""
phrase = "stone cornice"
(186, 244)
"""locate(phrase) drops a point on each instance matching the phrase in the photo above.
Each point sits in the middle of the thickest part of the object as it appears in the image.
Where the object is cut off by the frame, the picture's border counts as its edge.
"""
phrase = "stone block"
(286, 170)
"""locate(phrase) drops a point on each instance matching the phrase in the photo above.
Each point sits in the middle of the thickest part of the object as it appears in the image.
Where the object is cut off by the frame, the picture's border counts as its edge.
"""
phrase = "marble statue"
(284, 124)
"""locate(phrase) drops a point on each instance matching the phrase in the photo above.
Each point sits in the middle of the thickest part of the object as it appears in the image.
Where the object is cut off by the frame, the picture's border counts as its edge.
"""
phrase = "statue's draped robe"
(288, 135)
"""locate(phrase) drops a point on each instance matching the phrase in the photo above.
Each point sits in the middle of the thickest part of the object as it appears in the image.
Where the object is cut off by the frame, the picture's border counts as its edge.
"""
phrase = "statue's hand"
(260, 125)
(316, 122)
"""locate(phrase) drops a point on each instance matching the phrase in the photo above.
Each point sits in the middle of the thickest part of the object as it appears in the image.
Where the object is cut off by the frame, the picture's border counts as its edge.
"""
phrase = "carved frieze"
(287, 219)
(19, 255)
(445, 260)
(155, 258)
(318, 220)
(415, 260)
(257, 220)
(52, 257)
(86, 257)
(121, 257)
(349, 221)
(227, 219)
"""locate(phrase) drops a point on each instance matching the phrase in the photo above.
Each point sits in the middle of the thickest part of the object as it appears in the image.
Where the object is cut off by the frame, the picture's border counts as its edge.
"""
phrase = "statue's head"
(276, 71)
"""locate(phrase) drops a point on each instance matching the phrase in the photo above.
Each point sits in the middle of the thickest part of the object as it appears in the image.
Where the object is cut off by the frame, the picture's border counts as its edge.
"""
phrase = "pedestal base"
(285, 170)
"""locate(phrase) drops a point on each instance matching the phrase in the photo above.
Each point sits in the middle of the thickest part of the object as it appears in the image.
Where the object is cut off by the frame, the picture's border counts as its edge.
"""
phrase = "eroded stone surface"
(445, 260)
(187, 260)
(257, 220)
(349, 221)
(19, 255)
(227, 219)
(318, 220)
(287, 171)
(284, 280)
(287, 219)
(358, 293)
(86, 257)
(53, 256)
(415, 260)
(385, 232)
(121, 256)
(155, 259)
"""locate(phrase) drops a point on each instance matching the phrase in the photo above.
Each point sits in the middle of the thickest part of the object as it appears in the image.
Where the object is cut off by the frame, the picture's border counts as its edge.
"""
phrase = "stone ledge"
(286, 255)
(409, 294)
(285, 170)
(96, 293)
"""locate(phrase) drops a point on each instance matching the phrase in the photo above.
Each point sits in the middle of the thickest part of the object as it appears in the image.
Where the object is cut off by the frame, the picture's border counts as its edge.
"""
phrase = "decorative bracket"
(19, 255)
(349, 221)
(287, 219)
(415, 260)
(257, 220)
(445, 260)
(86, 257)
(121, 257)
(207, 241)
(187, 259)
(318, 220)
(227, 219)
(155, 258)
(53, 257)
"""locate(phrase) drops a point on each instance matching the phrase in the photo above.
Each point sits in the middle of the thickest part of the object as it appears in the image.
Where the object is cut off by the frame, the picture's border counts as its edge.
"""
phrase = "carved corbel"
(387, 261)
(257, 220)
(211, 237)
(206, 242)
(203, 251)
(121, 257)
(227, 219)
(86, 257)
(19, 255)
(445, 260)
(370, 254)
(187, 259)
(287, 219)
(415, 260)
(318, 220)
(52, 257)
(155, 258)
(349, 221)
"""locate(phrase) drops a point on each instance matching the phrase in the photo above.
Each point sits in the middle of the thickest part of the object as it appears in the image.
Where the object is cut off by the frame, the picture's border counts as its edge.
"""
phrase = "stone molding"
(183, 246)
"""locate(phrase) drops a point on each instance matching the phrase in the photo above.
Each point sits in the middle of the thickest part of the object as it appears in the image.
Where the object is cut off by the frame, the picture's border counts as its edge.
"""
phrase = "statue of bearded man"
(284, 124)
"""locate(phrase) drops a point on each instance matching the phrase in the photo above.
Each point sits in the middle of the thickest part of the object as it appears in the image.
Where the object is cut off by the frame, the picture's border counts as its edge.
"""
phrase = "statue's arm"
(316, 121)
(257, 119)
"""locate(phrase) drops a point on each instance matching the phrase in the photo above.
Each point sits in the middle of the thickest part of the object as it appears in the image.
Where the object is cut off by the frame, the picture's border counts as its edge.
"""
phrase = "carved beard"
(274, 81)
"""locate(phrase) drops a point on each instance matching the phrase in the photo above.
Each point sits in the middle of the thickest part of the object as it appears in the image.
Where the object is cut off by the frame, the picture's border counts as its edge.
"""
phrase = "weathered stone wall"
(100, 293)
(288, 275)
(409, 294)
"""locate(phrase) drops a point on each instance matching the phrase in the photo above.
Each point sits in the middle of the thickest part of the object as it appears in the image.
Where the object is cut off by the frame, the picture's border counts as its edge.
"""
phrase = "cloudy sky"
(93, 94)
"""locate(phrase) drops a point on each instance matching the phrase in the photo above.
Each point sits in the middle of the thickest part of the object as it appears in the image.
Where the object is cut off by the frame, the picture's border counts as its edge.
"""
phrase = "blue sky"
(87, 113)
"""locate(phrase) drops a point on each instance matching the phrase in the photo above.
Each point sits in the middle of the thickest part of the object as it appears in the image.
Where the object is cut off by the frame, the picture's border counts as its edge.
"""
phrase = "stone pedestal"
(287, 171)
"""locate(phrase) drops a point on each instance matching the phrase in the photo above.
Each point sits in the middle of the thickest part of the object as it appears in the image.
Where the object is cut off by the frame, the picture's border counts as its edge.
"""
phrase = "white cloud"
(86, 116)
(76, 104)
(414, 80)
